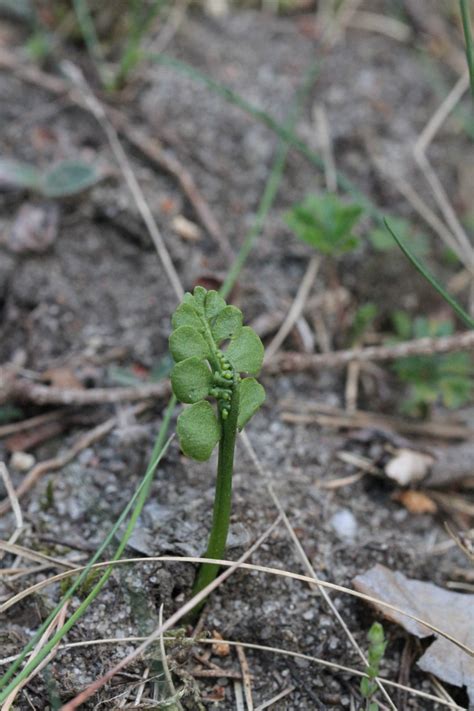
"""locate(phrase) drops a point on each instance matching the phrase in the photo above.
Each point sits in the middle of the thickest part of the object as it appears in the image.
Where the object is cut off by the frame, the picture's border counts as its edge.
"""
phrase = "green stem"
(466, 24)
(222, 500)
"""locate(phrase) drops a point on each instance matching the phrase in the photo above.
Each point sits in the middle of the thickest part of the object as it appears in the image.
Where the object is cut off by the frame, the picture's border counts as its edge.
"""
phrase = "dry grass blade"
(262, 648)
(55, 624)
(233, 565)
(23, 552)
(14, 504)
(306, 563)
(99, 112)
(441, 113)
(278, 697)
(324, 139)
(239, 696)
(439, 193)
(456, 539)
(382, 24)
(170, 622)
(296, 308)
(166, 669)
(246, 677)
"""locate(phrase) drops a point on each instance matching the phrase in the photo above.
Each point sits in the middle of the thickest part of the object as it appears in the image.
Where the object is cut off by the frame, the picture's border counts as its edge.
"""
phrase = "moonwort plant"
(212, 352)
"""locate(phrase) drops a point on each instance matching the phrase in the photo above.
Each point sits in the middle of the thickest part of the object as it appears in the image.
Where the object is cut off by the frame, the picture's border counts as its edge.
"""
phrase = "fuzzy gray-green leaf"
(198, 431)
(186, 342)
(185, 315)
(15, 174)
(251, 397)
(245, 351)
(227, 324)
(191, 380)
(69, 177)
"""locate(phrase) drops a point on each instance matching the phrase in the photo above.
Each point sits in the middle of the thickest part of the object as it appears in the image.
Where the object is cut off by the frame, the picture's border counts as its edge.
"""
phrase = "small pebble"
(345, 525)
(22, 461)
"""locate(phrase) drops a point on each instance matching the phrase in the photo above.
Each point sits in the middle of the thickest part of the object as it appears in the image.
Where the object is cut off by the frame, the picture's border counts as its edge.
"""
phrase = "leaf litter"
(451, 611)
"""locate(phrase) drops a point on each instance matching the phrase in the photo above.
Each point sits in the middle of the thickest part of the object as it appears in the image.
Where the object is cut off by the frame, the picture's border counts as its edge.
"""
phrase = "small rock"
(22, 461)
(345, 525)
(34, 228)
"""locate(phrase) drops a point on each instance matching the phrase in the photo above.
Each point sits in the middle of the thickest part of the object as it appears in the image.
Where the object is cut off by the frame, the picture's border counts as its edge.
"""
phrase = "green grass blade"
(281, 130)
(457, 308)
(467, 28)
(271, 187)
(137, 502)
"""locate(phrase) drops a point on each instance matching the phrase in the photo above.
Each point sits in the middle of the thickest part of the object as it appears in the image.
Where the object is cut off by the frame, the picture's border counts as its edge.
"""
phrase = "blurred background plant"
(430, 379)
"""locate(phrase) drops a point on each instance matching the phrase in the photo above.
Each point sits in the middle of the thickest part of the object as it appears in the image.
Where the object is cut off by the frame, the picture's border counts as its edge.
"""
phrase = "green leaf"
(402, 324)
(69, 177)
(365, 687)
(214, 304)
(15, 174)
(227, 324)
(191, 380)
(245, 351)
(375, 634)
(186, 342)
(185, 315)
(382, 241)
(199, 294)
(457, 308)
(252, 396)
(325, 222)
(362, 321)
(198, 431)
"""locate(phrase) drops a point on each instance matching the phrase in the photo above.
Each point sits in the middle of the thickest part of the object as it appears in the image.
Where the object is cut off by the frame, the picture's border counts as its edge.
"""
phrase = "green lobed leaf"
(185, 315)
(186, 342)
(214, 304)
(251, 398)
(245, 351)
(227, 324)
(198, 431)
(199, 295)
(69, 177)
(325, 222)
(191, 380)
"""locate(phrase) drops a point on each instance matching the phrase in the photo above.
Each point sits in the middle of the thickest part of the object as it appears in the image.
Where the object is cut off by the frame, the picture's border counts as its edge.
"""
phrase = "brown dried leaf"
(62, 377)
(219, 648)
(416, 502)
(450, 611)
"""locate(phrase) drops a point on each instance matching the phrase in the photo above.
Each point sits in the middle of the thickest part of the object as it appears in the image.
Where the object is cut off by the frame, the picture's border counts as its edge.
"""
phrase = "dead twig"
(168, 624)
(17, 388)
(31, 423)
(60, 461)
(338, 418)
(297, 362)
(13, 504)
(246, 677)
